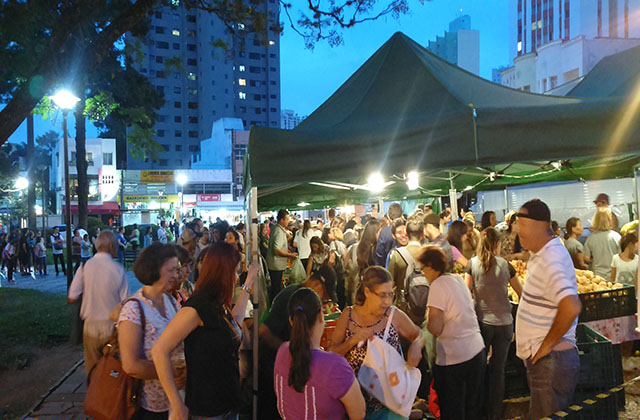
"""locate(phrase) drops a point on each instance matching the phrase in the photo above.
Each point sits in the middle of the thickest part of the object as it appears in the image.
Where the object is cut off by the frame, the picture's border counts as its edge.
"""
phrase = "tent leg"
(506, 200)
(453, 194)
(636, 173)
(252, 221)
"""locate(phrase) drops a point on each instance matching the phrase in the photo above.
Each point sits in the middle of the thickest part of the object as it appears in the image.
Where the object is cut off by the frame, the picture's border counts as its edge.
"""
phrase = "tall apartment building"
(539, 22)
(554, 43)
(241, 81)
(289, 119)
(460, 45)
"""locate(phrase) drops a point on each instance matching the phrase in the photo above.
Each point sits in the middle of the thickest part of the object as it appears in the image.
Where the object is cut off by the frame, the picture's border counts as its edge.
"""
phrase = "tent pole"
(636, 191)
(252, 221)
(453, 198)
(506, 200)
(380, 208)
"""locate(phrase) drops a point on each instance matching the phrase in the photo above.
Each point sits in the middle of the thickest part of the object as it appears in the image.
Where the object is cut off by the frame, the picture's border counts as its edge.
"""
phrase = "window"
(163, 162)
(160, 133)
(176, 17)
(177, 119)
(272, 56)
(274, 110)
(193, 134)
(162, 118)
(191, 18)
(178, 148)
(256, 42)
(519, 46)
(178, 162)
(553, 82)
(243, 109)
(193, 148)
(226, 77)
(272, 83)
(272, 42)
(177, 90)
(192, 62)
(160, 29)
(193, 120)
(242, 82)
(252, 83)
(177, 104)
(258, 111)
(175, 32)
(162, 45)
(165, 147)
(160, 75)
(213, 97)
(226, 91)
(254, 56)
(176, 46)
(239, 150)
(191, 47)
(213, 68)
(192, 105)
(107, 158)
(178, 133)
(242, 95)
(191, 33)
(193, 91)
(256, 97)
(253, 69)
(158, 15)
(159, 59)
(192, 76)
(160, 88)
(273, 96)
(241, 68)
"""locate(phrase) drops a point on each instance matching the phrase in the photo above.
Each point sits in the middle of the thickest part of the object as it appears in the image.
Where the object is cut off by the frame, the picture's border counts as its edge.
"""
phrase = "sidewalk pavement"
(64, 401)
(52, 283)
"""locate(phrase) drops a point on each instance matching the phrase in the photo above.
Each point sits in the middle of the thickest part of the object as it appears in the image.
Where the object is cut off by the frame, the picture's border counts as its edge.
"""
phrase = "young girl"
(624, 265)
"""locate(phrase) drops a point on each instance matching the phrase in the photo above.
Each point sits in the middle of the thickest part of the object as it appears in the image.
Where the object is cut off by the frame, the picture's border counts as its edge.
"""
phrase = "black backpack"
(415, 292)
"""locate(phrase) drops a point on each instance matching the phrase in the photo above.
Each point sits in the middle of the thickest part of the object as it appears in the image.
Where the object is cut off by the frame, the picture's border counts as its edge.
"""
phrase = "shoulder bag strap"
(386, 330)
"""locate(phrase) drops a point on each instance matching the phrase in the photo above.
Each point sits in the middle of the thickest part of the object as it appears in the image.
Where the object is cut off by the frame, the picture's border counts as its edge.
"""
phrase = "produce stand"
(408, 110)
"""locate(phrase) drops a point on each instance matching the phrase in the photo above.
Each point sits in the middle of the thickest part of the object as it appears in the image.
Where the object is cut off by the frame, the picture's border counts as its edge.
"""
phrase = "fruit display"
(587, 281)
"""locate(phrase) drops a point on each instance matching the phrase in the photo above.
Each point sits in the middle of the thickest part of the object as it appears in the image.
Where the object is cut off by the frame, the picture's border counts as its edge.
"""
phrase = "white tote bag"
(387, 377)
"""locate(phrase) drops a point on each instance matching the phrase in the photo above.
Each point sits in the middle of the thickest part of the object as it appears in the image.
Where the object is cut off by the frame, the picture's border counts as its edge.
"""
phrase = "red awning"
(107, 207)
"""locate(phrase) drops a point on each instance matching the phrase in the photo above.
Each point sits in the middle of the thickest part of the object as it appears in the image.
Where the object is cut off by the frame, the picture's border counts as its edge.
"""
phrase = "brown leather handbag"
(112, 394)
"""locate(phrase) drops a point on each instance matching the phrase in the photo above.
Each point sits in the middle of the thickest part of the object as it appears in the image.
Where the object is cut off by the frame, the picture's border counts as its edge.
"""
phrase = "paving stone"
(62, 397)
(53, 408)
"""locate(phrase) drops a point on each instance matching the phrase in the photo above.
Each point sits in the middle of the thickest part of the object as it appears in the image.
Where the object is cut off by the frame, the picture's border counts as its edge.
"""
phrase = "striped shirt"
(550, 278)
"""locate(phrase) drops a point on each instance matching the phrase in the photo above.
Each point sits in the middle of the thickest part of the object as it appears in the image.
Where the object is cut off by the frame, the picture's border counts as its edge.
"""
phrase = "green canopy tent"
(407, 109)
(617, 75)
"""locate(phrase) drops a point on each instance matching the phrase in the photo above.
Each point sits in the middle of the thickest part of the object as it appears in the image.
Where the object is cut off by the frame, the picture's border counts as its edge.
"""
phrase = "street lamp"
(21, 183)
(181, 180)
(66, 100)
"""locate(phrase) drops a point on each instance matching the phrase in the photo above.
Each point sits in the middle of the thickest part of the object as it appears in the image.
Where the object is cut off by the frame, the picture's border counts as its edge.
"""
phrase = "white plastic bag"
(387, 377)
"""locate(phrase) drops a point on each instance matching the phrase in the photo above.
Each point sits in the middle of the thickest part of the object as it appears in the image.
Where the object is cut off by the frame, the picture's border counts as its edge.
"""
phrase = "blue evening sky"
(309, 77)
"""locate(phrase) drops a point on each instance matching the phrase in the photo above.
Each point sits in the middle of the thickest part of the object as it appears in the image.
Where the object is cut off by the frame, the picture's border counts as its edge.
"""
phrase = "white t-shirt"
(602, 246)
(626, 271)
(302, 242)
(550, 278)
(460, 340)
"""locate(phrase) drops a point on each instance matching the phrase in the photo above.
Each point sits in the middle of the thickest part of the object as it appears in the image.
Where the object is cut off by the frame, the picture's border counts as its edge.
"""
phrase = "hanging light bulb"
(375, 182)
(413, 180)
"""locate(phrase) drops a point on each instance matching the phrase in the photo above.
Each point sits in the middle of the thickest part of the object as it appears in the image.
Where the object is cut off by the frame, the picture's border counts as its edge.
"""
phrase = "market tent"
(406, 109)
(615, 75)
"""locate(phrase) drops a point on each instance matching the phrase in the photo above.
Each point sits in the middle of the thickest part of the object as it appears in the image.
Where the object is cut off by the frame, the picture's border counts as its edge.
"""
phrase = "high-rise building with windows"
(289, 119)
(539, 22)
(206, 74)
(460, 45)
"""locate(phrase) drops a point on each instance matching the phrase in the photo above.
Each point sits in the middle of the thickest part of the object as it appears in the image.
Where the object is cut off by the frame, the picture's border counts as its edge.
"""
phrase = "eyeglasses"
(390, 295)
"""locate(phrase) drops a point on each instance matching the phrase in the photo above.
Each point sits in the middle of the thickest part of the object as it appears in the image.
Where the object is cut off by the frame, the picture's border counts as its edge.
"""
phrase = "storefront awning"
(107, 207)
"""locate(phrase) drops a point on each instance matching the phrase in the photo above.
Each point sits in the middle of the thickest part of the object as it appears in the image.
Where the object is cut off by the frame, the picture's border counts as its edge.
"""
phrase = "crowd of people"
(23, 251)
(435, 289)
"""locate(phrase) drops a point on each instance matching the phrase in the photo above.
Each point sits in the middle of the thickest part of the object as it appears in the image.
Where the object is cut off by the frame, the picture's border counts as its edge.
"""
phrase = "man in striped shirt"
(547, 314)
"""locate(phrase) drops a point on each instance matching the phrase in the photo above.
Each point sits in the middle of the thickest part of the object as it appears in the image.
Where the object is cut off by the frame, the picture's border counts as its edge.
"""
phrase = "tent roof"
(615, 75)
(407, 109)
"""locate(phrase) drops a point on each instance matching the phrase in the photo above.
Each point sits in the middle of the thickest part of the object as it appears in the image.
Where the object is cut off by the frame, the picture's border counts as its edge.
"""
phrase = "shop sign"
(207, 198)
(156, 177)
(146, 198)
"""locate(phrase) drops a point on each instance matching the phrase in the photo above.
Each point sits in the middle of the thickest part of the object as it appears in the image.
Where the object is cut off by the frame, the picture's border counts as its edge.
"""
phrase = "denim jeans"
(459, 388)
(498, 338)
(552, 381)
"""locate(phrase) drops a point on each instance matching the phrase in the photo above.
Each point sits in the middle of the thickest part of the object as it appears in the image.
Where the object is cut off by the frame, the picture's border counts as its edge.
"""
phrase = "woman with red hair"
(211, 332)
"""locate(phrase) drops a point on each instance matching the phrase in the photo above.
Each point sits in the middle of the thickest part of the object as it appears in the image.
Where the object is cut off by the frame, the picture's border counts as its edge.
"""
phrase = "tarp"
(615, 75)
(407, 109)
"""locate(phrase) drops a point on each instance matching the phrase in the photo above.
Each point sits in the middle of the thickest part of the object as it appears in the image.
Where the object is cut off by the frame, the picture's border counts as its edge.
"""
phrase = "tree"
(45, 42)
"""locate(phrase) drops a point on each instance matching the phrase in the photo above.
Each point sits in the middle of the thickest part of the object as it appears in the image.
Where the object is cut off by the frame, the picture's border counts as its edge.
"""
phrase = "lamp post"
(65, 100)
(181, 180)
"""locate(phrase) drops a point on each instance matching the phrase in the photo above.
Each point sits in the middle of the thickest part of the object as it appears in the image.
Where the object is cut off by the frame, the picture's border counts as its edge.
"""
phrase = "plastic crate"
(515, 375)
(608, 304)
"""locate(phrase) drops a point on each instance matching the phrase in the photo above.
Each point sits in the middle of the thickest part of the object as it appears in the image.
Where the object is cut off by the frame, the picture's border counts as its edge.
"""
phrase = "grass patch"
(30, 319)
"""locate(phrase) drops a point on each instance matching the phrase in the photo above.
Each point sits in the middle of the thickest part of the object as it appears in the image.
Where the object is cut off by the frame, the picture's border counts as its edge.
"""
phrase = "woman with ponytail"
(487, 276)
(308, 381)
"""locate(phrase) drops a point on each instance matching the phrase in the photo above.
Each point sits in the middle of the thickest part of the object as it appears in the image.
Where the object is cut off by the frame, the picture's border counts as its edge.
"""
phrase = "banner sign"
(206, 198)
(156, 177)
(142, 198)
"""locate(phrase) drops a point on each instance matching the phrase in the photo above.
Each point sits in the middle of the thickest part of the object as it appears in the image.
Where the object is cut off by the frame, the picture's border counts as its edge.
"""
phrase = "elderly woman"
(157, 268)
(183, 288)
(211, 332)
(369, 317)
(460, 356)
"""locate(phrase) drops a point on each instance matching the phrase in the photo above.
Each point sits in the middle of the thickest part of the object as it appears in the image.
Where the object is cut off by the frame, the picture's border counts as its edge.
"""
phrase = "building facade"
(460, 45)
(206, 74)
(289, 119)
(535, 23)
(104, 179)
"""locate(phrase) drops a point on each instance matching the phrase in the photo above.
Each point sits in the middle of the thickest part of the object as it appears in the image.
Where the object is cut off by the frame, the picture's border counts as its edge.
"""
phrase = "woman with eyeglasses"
(368, 318)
